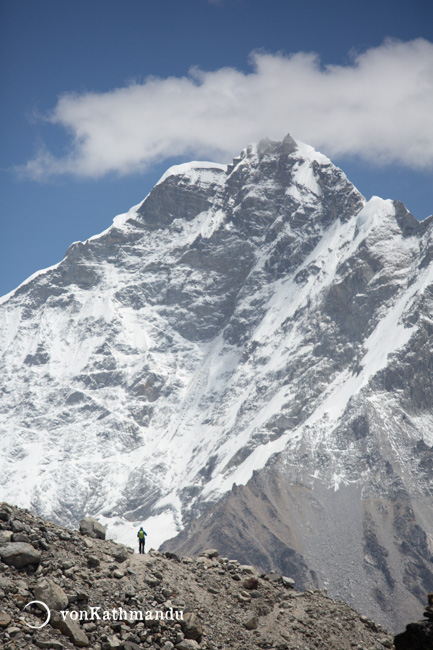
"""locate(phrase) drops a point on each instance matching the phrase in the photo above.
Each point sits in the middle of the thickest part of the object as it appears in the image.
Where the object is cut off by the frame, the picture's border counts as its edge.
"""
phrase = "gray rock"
(246, 568)
(67, 564)
(51, 594)
(5, 536)
(120, 554)
(92, 528)
(191, 626)
(251, 621)
(113, 643)
(17, 526)
(22, 586)
(90, 627)
(168, 646)
(5, 619)
(4, 513)
(21, 537)
(210, 553)
(51, 644)
(244, 598)
(288, 582)
(82, 595)
(128, 590)
(172, 556)
(5, 584)
(187, 644)
(130, 645)
(71, 629)
(19, 554)
(273, 577)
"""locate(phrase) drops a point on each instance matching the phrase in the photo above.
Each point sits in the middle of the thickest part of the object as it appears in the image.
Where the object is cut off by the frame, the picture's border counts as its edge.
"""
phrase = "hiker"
(141, 535)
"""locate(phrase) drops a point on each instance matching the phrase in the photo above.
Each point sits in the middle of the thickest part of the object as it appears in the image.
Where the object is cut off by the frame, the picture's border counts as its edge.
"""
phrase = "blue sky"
(99, 97)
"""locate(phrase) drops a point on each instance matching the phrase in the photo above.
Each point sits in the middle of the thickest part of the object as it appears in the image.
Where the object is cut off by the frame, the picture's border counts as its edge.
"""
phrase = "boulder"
(187, 644)
(20, 537)
(5, 585)
(191, 626)
(168, 646)
(93, 562)
(210, 553)
(5, 536)
(19, 554)
(4, 513)
(71, 629)
(251, 621)
(172, 556)
(50, 645)
(112, 643)
(273, 577)
(82, 595)
(92, 528)
(247, 568)
(5, 619)
(120, 554)
(51, 594)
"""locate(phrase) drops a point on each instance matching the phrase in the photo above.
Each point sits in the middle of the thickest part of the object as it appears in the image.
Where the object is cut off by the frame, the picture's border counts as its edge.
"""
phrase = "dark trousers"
(141, 545)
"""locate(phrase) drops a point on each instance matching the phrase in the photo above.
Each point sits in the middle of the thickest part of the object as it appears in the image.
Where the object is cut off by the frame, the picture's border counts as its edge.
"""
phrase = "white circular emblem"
(39, 602)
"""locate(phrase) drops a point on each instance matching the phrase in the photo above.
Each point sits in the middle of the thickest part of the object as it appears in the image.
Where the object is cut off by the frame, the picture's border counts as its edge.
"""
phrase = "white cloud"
(379, 106)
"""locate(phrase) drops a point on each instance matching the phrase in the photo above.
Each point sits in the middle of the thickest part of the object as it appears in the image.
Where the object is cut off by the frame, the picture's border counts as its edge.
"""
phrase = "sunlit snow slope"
(257, 316)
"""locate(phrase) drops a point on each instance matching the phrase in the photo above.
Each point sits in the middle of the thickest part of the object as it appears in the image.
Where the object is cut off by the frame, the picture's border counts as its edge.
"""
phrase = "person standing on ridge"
(141, 538)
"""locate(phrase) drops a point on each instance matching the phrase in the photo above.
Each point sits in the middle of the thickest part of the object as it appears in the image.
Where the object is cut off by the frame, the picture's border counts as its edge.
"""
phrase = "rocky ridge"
(418, 635)
(223, 605)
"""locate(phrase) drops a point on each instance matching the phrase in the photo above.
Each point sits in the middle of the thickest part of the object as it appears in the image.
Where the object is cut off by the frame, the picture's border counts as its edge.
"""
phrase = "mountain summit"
(244, 355)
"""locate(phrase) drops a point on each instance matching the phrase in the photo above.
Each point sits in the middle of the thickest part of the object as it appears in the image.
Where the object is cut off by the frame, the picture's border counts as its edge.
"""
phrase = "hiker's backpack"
(141, 534)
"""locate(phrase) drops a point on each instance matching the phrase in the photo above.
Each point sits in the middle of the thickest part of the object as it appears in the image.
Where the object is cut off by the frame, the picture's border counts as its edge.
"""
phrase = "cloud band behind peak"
(378, 107)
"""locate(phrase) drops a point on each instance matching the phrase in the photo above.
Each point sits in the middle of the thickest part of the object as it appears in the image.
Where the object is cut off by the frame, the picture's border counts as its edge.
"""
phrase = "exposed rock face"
(201, 602)
(259, 324)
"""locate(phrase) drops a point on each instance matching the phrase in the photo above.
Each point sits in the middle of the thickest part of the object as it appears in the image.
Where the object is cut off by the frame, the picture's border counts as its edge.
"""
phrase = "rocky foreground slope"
(215, 603)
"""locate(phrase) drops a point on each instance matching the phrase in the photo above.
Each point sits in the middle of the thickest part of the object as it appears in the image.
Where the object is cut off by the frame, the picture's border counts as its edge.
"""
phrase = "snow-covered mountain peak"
(196, 172)
(259, 319)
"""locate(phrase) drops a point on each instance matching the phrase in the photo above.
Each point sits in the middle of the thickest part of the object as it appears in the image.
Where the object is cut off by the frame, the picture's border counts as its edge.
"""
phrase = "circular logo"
(39, 602)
